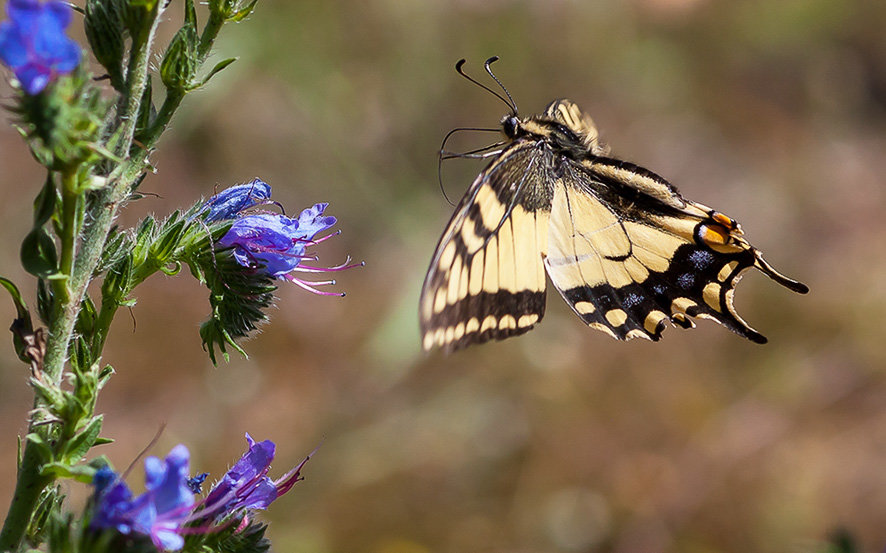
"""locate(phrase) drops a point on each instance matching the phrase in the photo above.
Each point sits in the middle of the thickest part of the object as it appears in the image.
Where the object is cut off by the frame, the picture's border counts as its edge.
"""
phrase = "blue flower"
(275, 244)
(33, 42)
(247, 485)
(230, 202)
(160, 512)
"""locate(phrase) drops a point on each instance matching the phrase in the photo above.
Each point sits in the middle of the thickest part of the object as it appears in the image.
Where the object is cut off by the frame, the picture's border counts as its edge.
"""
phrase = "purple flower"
(275, 244)
(167, 510)
(247, 485)
(228, 203)
(160, 512)
(33, 42)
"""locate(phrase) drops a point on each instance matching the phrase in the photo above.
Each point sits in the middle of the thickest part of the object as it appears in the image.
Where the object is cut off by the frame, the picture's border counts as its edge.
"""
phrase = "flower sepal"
(63, 123)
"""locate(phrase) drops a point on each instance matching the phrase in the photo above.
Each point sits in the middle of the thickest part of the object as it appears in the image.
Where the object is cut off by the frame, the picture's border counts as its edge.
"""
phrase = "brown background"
(561, 440)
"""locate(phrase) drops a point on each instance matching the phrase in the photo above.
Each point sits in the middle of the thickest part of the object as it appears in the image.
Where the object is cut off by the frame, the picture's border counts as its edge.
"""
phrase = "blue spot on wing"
(686, 281)
(632, 300)
(700, 259)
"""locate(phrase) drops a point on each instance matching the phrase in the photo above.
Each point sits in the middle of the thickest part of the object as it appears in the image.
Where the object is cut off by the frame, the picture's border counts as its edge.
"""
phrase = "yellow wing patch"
(487, 280)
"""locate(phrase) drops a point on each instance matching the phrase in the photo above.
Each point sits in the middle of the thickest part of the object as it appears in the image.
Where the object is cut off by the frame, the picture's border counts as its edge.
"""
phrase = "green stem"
(28, 488)
(102, 326)
(207, 37)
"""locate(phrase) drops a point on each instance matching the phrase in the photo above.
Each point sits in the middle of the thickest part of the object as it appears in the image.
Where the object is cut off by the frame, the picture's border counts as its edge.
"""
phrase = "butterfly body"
(625, 250)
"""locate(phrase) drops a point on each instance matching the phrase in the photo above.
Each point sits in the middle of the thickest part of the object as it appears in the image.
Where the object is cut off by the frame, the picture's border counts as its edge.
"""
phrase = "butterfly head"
(511, 125)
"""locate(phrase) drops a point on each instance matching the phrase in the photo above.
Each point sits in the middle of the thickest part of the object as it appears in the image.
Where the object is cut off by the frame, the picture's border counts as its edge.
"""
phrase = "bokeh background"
(563, 439)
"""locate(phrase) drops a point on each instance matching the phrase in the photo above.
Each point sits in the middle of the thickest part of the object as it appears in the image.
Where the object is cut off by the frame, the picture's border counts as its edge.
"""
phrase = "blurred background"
(562, 439)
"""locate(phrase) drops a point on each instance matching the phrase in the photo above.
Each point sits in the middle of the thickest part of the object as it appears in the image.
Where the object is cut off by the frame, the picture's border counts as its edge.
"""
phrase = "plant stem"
(27, 491)
(81, 264)
(65, 305)
(78, 264)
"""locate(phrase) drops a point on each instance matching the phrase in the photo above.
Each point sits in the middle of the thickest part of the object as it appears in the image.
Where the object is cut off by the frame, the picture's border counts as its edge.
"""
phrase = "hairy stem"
(81, 264)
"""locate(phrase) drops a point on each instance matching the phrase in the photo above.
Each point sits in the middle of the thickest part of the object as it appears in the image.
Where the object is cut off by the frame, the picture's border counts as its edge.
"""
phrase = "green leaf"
(79, 472)
(48, 507)
(38, 253)
(118, 281)
(190, 14)
(45, 301)
(22, 327)
(168, 240)
(21, 308)
(138, 16)
(218, 67)
(244, 12)
(86, 317)
(77, 447)
(46, 202)
(143, 239)
(171, 269)
(41, 445)
(234, 539)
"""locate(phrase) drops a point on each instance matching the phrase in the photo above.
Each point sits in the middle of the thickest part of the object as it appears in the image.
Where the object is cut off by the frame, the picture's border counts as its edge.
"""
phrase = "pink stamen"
(285, 482)
(319, 240)
(252, 248)
(343, 267)
(306, 286)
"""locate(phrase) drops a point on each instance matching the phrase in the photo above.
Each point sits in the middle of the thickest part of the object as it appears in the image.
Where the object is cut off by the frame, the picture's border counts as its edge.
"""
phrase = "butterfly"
(625, 250)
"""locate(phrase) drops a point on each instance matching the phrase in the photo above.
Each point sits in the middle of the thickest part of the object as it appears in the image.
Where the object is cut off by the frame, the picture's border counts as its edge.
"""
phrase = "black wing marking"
(486, 279)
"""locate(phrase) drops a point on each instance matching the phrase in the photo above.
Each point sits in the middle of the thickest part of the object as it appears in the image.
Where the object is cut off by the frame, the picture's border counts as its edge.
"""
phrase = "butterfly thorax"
(557, 136)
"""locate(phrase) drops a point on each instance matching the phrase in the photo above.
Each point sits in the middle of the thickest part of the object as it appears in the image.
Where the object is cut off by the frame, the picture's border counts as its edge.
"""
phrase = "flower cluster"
(34, 45)
(269, 242)
(167, 510)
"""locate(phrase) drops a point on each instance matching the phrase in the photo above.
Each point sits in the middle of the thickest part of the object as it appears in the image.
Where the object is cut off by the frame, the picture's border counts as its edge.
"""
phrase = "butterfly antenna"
(458, 67)
(440, 178)
(512, 104)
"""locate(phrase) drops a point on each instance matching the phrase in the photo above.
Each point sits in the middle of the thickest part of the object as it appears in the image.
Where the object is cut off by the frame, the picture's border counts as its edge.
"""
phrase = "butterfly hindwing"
(486, 279)
(630, 255)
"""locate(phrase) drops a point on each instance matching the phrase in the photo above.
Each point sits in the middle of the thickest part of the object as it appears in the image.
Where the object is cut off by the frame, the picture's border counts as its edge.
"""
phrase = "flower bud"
(179, 66)
(138, 15)
(104, 31)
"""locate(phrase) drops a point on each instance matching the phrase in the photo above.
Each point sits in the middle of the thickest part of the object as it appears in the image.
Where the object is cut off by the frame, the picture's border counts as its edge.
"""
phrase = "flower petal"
(228, 203)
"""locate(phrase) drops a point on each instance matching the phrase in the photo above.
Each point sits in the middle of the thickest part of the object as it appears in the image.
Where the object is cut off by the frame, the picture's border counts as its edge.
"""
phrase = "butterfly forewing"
(486, 279)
